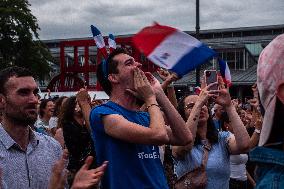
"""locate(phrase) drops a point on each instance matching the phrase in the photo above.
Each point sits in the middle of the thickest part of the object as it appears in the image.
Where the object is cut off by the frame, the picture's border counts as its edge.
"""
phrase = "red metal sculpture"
(76, 75)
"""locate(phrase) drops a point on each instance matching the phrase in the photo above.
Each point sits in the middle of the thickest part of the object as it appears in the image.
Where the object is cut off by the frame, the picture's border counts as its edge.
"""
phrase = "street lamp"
(197, 28)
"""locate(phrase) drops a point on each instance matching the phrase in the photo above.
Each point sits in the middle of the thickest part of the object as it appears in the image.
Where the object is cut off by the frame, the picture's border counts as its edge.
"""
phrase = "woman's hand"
(221, 97)
(163, 74)
(83, 96)
(235, 103)
(205, 94)
(166, 76)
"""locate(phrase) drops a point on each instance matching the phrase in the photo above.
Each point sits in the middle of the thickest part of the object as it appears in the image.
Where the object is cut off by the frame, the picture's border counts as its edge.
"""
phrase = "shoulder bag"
(197, 178)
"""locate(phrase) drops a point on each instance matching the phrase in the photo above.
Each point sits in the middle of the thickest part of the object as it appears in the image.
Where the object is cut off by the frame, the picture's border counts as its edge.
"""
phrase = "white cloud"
(72, 18)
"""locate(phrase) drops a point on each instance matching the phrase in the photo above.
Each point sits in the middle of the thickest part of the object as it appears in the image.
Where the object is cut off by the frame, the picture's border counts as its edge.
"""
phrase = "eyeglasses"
(190, 105)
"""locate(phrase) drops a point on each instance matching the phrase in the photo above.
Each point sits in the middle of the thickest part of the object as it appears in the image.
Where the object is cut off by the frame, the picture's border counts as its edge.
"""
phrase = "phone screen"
(211, 77)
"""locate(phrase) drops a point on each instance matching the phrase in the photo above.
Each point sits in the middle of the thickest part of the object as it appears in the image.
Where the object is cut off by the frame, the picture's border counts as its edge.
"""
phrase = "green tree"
(19, 40)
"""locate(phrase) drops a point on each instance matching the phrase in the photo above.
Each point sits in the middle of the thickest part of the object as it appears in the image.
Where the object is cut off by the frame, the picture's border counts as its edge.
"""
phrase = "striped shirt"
(30, 168)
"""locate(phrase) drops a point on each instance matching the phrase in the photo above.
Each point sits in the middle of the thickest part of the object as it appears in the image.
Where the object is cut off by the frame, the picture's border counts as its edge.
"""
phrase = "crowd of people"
(143, 136)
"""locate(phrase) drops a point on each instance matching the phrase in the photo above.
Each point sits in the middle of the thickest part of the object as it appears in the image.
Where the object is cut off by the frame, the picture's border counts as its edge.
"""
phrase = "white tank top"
(238, 166)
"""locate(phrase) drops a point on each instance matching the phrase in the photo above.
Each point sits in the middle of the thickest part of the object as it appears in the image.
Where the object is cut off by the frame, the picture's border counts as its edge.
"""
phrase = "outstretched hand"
(163, 74)
(221, 97)
(205, 94)
(88, 178)
(166, 76)
(83, 97)
(59, 173)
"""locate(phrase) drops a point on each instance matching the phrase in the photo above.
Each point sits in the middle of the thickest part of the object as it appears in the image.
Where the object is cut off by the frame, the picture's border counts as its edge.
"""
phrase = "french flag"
(111, 43)
(99, 41)
(225, 72)
(172, 49)
(197, 90)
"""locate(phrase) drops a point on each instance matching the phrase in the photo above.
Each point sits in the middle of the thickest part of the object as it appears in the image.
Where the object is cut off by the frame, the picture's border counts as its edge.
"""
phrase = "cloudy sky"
(59, 19)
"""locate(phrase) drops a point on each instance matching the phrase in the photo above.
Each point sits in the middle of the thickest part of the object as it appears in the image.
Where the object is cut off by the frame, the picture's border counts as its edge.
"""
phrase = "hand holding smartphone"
(211, 77)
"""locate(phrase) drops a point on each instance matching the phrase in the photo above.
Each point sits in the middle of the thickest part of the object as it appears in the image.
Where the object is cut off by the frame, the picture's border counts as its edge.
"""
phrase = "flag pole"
(197, 28)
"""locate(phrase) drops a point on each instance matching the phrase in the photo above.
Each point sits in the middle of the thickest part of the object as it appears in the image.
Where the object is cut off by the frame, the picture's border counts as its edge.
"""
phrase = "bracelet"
(257, 131)
(152, 105)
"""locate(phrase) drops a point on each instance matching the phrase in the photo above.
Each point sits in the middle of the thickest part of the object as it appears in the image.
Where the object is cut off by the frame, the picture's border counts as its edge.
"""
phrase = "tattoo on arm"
(195, 118)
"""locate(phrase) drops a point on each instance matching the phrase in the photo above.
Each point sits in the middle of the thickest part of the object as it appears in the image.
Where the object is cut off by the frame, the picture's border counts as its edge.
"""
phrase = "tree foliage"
(19, 39)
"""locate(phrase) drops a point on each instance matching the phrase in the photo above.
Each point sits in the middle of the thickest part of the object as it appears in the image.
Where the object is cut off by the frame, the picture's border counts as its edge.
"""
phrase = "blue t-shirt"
(218, 164)
(130, 165)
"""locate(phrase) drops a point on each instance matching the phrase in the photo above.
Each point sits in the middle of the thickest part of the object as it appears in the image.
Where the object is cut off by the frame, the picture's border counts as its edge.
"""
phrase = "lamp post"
(197, 28)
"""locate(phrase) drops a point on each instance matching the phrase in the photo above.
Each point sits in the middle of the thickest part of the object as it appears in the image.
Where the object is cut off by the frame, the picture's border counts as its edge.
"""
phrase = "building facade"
(240, 47)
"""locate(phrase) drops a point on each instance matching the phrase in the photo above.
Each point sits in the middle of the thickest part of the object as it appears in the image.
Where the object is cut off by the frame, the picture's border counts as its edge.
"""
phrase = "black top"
(79, 144)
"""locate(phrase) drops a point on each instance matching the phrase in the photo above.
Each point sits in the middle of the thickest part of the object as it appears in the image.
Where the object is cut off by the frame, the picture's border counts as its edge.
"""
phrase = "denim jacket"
(270, 167)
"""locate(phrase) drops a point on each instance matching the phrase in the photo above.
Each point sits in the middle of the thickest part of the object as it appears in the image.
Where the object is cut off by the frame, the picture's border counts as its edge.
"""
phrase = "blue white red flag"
(172, 49)
(197, 90)
(99, 41)
(111, 43)
(225, 72)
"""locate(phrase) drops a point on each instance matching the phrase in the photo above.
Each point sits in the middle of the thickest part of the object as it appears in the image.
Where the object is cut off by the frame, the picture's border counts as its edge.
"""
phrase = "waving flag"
(172, 49)
(99, 41)
(225, 72)
(111, 43)
(197, 90)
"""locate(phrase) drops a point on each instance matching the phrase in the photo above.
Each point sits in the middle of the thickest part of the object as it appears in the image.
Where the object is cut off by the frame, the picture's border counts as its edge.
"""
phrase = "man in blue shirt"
(126, 136)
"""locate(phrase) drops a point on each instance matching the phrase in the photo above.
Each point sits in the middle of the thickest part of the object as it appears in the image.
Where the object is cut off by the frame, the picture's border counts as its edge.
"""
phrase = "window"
(227, 34)
(234, 58)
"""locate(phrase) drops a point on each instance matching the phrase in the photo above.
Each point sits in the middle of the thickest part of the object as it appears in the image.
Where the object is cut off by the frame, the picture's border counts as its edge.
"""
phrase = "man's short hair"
(9, 72)
(111, 68)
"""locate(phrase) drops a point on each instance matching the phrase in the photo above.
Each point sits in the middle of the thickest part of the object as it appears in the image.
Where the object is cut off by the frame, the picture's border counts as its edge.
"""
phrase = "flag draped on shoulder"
(225, 72)
(172, 49)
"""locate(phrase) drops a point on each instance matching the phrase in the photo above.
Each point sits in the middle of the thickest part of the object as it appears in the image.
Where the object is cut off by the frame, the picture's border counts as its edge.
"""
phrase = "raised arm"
(168, 79)
(192, 121)
(118, 127)
(256, 120)
(239, 143)
(178, 133)
(84, 101)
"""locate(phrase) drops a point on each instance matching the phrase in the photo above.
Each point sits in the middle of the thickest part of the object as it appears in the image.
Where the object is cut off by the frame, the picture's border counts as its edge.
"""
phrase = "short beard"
(18, 117)
(21, 120)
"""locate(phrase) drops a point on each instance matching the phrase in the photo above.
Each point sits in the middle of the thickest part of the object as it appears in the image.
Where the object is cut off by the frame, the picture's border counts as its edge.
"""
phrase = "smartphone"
(211, 77)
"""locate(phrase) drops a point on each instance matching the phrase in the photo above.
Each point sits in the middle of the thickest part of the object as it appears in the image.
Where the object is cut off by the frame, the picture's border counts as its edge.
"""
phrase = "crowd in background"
(62, 118)
(230, 128)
